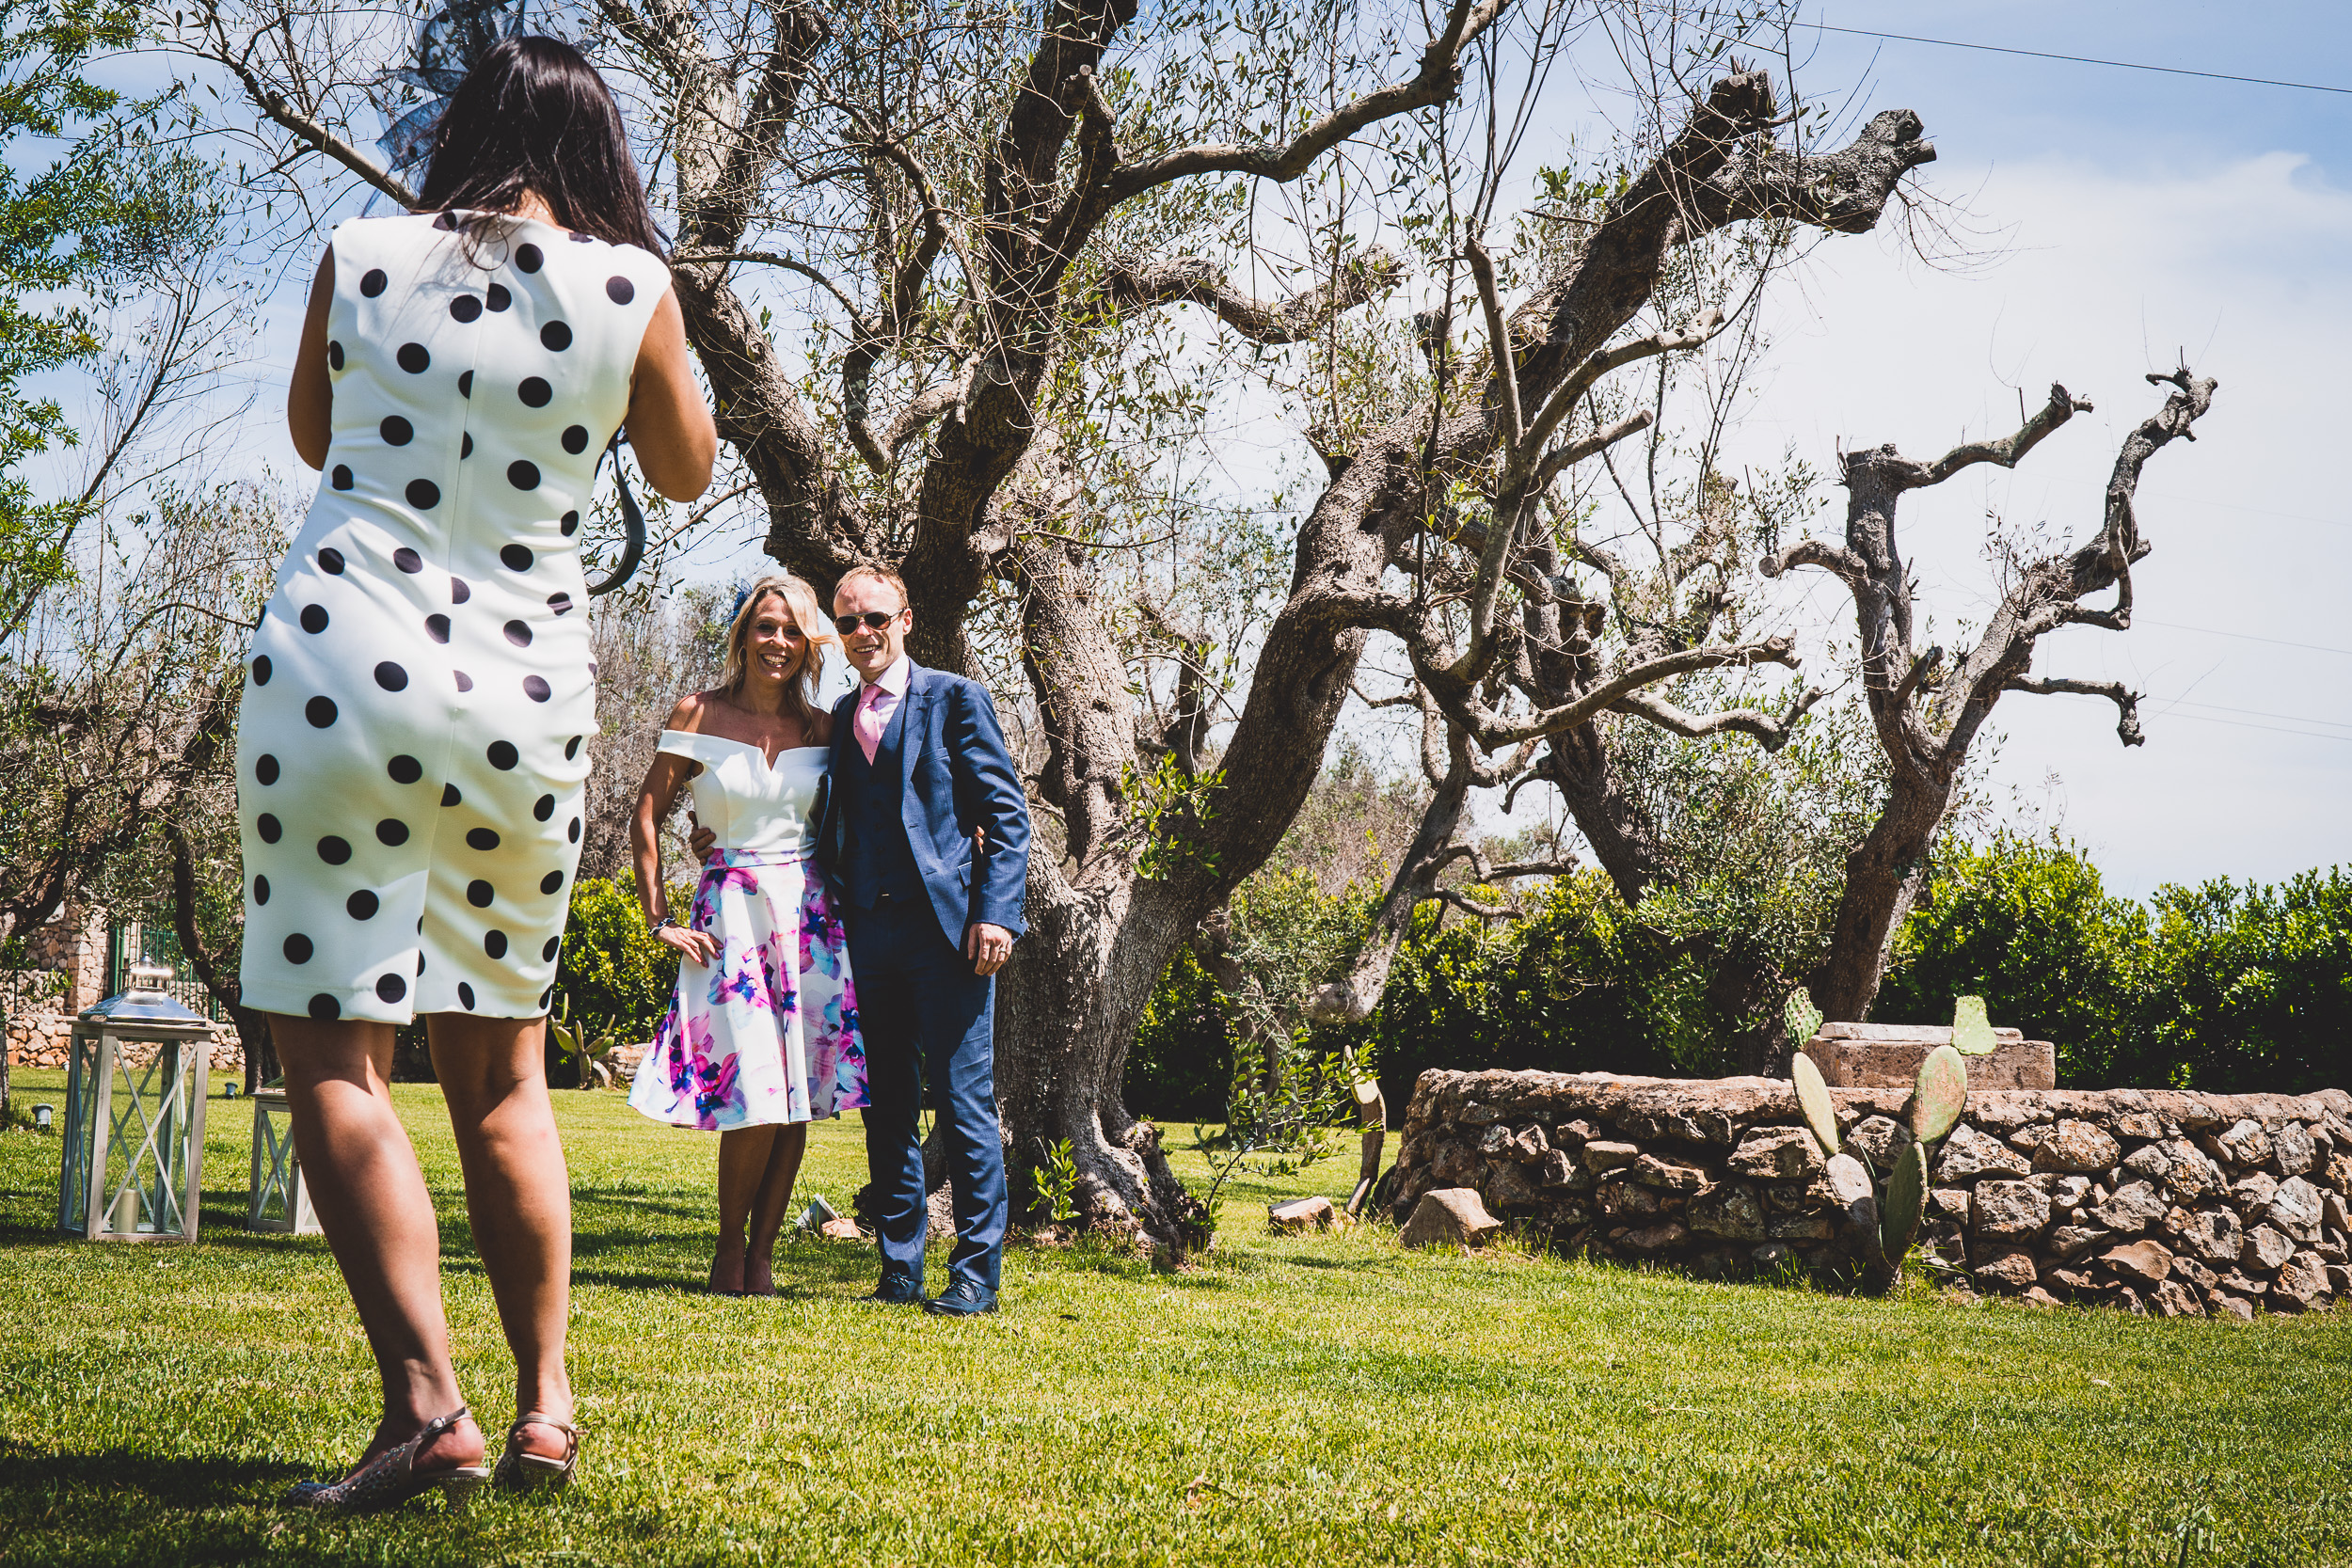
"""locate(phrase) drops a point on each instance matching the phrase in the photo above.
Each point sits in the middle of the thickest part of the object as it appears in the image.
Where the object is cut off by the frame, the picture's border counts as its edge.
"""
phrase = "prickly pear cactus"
(1940, 1095)
(1904, 1205)
(1821, 1115)
(1971, 1035)
(1803, 1017)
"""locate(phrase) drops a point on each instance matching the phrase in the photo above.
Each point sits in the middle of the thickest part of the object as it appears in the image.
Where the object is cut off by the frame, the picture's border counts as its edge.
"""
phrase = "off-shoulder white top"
(749, 802)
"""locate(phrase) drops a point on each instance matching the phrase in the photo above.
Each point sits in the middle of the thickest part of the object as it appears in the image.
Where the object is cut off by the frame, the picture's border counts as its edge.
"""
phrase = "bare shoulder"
(687, 715)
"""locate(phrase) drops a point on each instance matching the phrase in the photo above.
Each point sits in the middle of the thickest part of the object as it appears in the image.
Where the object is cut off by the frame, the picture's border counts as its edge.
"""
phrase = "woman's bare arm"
(656, 796)
(310, 397)
(669, 426)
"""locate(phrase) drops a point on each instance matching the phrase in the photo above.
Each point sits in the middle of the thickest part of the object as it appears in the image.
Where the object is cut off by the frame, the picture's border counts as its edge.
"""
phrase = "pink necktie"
(872, 717)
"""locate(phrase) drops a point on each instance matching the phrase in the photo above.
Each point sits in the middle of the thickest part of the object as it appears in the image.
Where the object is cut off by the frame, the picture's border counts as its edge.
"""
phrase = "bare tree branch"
(2126, 701)
(1194, 280)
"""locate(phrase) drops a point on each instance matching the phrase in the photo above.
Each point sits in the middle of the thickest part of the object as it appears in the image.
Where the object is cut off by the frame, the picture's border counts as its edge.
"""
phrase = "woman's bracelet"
(654, 925)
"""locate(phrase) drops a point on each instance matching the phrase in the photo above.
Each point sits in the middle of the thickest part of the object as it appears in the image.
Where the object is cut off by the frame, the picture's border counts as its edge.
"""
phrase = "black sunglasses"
(874, 618)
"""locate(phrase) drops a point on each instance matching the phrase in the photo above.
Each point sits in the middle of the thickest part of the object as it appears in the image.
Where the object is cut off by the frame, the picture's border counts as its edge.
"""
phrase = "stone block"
(1777, 1154)
(2138, 1263)
(1730, 1211)
(1301, 1213)
(1559, 1169)
(2172, 1299)
(2134, 1208)
(2077, 1147)
(2227, 1305)
(2009, 1211)
(2294, 1209)
(2214, 1234)
(1672, 1176)
(1969, 1154)
(1876, 1138)
(1451, 1216)
(1513, 1187)
(2069, 1241)
(2008, 1271)
(1887, 1056)
(2244, 1145)
(2263, 1250)
(2292, 1151)
(1607, 1154)
(1650, 1241)
(2301, 1285)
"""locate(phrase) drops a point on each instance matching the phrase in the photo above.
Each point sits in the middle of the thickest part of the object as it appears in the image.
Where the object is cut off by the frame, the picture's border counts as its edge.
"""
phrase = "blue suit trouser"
(927, 1017)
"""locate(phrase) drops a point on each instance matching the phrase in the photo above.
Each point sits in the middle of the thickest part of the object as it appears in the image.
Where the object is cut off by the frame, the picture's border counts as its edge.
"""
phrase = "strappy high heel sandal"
(520, 1470)
(392, 1477)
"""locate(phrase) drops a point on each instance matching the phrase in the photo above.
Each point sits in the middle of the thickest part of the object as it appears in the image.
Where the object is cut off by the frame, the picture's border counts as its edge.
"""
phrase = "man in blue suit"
(918, 765)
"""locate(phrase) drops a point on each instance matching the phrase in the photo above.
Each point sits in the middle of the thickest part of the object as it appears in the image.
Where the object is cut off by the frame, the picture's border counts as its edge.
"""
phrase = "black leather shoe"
(963, 1299)
(898, 1288)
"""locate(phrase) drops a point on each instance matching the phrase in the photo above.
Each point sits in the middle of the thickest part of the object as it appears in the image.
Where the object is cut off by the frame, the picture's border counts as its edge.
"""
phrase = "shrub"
(618, 976)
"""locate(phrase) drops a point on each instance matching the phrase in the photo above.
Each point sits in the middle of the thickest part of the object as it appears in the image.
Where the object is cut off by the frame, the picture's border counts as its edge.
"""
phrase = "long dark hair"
(534, 116)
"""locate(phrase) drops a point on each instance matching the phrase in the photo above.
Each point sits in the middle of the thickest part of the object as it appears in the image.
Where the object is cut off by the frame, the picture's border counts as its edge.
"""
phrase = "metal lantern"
(133, 1157)
(281, 1201)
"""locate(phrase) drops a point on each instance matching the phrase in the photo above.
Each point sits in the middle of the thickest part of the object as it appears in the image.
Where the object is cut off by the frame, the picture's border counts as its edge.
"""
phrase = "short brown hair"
(880, 574)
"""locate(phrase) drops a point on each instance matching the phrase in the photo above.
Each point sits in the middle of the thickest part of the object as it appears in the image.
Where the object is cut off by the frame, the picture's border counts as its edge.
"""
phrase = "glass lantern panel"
(147, 1139)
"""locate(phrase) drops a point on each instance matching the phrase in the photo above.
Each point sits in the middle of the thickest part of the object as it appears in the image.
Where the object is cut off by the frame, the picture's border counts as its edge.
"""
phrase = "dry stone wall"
(41, 1040)
(2170, 1202)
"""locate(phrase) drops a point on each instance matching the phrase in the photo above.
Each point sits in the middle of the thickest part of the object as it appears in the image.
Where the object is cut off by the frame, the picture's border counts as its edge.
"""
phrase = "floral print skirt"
(766, 1033)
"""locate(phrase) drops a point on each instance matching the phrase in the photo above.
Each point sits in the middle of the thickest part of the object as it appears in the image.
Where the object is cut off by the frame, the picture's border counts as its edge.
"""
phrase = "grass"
(1299, 1399)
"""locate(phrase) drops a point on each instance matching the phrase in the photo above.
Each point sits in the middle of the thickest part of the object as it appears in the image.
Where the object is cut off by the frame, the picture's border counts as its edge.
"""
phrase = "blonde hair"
(880, 574)
(800, 687)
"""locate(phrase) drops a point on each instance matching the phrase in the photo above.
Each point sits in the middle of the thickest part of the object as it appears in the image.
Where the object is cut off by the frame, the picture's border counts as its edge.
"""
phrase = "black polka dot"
(413, 359)
(265, 770)
(557, 336)
(320, 711)
(571, 748)
(465, 308)
(332, 561)
(537, 688)
(620, 290)
(465, 993)
(481, 838)
(391, 677)
(261, 668)
(297, 949)
(576, 439)
(333, 851)
(502, 755)
(361, 905)
(392, 830)
(518, 634)
(561, 605)
(547, 954)
(500, 298)
(423, 494)
(324, 1007)
(459, 591)
(450, 796)
(535, 392)
(571, 524)
(340, 478)
(544, 807)
(479, 893)
(549, 882)
(437, 628)
(409, 560)
(465, 446)
(334, 356)
(527, 258)
(575, 829)
(493, 943)
(465, 682)
(515, 557)
(405, 769)
(373, 283)
(396, 431)
(544, 997)
(269, 827)
(313, 618)
(260, 890)
(446, 223)
(420, 963)
(523, 474)
(465, 385)
(390, 988)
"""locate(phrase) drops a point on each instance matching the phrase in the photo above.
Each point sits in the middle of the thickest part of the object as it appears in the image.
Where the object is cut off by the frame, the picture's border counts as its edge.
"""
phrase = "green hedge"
(618, 977)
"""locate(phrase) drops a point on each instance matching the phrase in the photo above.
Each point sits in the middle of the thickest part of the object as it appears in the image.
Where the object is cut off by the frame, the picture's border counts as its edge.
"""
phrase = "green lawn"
(1298, 1400)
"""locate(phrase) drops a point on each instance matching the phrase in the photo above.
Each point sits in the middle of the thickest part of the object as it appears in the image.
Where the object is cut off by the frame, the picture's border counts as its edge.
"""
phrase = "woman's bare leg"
(767, 1207)
(743, 1155)
(518, 1196)
(371, 1200)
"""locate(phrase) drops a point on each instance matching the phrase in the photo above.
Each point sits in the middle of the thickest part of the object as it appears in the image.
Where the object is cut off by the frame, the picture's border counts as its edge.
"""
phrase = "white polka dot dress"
(411, 745)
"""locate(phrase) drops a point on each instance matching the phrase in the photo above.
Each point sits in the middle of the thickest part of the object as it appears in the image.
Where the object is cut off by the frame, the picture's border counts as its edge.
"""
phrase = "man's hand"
(701, 839)
(988, 946)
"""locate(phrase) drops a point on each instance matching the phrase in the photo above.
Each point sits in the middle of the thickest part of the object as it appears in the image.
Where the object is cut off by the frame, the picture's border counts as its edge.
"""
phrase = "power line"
(2080, 60)
(2253, 713)
(2248, 637)
(2242, 724)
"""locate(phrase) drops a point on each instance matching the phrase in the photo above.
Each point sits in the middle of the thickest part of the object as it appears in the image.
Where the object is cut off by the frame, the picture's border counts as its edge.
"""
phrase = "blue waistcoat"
(872, 796)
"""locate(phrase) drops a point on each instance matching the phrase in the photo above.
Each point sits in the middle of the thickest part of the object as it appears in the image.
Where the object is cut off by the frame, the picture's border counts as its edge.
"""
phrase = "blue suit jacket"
(958, 776)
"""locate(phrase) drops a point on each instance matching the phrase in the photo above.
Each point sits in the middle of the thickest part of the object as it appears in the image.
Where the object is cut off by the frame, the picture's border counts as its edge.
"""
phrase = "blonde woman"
(762, 1032)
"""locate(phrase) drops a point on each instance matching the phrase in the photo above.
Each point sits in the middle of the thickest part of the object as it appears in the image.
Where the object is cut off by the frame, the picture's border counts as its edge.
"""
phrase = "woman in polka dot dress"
(410, 747)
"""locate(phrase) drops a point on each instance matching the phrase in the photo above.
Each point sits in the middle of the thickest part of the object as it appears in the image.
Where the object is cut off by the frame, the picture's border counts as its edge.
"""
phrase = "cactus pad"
(1971, 1035)
(1940, 1096)
(1813, 1099)
(1803, 1017)
(1905, 1204)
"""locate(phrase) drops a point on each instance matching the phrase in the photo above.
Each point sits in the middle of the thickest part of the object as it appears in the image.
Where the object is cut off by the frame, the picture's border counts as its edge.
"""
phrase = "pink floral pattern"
(768, 1032)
